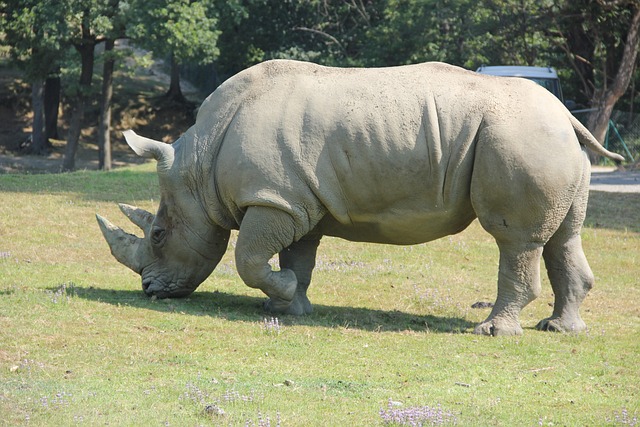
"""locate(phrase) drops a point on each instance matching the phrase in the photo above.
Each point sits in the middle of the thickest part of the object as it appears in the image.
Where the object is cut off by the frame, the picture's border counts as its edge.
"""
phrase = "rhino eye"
(157, 235)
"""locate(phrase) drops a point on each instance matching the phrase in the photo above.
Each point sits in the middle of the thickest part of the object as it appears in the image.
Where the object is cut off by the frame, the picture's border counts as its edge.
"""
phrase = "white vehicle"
(544, 76)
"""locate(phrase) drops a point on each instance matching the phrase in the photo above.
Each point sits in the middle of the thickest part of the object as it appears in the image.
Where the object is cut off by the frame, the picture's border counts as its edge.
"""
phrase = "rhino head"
(181, 245)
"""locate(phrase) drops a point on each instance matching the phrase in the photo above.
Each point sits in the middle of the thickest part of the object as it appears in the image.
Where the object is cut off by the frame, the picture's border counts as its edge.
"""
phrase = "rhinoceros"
(286, 152)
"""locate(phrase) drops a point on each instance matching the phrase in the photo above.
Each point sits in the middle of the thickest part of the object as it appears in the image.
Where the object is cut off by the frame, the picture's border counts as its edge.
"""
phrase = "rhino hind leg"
(265, 232)
(518, 285)
(571, 279)
(568, 270)
(533, 204)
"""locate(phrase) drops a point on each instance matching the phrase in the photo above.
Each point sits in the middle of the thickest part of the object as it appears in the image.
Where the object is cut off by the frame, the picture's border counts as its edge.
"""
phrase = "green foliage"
(81, 344)
(517, 32)
(582, 39)
(419, 31)
(392, 32)
(590, 34)
(186, 29)
(329, 32)
(35, 33)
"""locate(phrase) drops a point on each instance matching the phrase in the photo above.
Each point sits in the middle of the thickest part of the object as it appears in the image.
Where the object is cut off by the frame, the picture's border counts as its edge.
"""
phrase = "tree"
(104, 121)
(115, 30)
(605, 98)
(329, 32)
(52, 91)
(40, 34)
(89, 24)
(181, 30)
(601, 42)
(389, 32)
(597, 40)
(33, 31)
(409, 31)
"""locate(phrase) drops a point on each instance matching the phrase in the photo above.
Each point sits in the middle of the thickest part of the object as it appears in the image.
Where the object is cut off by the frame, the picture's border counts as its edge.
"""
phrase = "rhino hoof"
(556, 324)
(295, 307)
(276, 305)
(498, 329)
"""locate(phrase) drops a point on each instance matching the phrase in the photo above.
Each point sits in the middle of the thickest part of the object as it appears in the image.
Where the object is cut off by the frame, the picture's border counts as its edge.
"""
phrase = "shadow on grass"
(246, 308)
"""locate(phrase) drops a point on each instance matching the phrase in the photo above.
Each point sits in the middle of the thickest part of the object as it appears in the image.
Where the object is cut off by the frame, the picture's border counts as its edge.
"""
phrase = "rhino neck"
(195, 163)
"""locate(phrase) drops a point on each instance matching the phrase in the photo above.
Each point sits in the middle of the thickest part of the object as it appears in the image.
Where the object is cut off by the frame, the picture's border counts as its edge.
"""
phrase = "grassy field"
(390, 335)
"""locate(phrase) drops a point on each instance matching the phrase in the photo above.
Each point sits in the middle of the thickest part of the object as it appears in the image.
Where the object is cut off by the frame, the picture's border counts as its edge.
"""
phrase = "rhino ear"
(149, 148)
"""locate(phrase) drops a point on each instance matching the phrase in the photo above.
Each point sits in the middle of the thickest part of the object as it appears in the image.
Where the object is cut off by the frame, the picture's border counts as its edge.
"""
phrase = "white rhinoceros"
(287, 152)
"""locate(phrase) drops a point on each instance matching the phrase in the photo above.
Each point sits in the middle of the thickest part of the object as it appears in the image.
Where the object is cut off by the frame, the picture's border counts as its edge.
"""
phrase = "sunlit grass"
(81, 344)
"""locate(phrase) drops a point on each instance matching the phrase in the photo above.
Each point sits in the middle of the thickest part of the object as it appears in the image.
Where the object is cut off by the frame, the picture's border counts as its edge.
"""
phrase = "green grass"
(81, 344)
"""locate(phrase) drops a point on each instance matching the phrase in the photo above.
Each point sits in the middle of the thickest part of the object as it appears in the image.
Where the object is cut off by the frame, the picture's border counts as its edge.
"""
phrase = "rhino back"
(376, 154)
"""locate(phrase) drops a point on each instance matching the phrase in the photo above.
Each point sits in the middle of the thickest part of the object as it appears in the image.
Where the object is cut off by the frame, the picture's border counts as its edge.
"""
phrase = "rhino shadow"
(247, 308)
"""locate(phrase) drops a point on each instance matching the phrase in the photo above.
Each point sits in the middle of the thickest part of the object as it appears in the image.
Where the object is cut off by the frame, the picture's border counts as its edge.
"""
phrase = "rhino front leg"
(299, 257)
(518, 285)
(265, 232)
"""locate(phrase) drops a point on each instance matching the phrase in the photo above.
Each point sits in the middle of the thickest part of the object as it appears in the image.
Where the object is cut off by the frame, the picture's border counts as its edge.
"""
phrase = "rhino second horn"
(124, 246)
(139, 217)
(149, 148)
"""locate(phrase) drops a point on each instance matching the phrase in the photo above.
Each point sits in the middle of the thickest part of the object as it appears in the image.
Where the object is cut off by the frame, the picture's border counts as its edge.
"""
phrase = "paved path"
(615, 181)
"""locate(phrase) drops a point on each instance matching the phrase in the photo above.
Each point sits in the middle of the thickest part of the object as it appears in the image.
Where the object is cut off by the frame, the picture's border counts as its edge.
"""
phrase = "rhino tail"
(588, 140)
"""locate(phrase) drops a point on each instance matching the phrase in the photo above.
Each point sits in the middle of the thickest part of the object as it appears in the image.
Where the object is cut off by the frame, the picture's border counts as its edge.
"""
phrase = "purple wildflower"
(418, 416)
(64, 291)
(272, 325)
(263, 422)
(623, 418)
(57, 401)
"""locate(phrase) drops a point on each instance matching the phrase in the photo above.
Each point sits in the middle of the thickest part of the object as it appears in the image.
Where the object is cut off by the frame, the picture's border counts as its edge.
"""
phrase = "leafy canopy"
(185, 29)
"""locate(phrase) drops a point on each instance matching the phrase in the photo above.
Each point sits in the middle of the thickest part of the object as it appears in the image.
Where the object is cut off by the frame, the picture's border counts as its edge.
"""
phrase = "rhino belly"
(400, 227)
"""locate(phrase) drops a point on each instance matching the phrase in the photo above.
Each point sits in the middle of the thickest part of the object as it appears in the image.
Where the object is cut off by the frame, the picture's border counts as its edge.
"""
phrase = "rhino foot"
(300, 305)
(498, 327)
(559, 324)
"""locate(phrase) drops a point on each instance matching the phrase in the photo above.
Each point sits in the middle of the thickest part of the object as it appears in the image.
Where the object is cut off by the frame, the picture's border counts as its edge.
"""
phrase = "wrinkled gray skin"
(287, 152)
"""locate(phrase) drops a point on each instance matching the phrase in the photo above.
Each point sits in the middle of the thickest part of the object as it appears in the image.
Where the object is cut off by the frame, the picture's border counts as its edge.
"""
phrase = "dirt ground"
(139, 103)
(86, 159)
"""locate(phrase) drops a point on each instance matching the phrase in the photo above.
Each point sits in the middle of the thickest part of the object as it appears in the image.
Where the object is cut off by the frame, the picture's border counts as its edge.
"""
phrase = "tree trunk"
(104, 125)
(75, 127)
(51, 107)
(604, 100)
(175, 92)
(86, 54)
(38, 140)
(582, 49)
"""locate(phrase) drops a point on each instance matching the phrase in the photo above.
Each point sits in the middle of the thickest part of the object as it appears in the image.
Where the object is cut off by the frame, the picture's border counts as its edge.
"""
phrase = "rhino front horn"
(124, 246)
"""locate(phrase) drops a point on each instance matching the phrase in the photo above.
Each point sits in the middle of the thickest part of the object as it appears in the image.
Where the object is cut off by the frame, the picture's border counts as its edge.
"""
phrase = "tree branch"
(320, 33)
(587, 88)
(614, 3)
